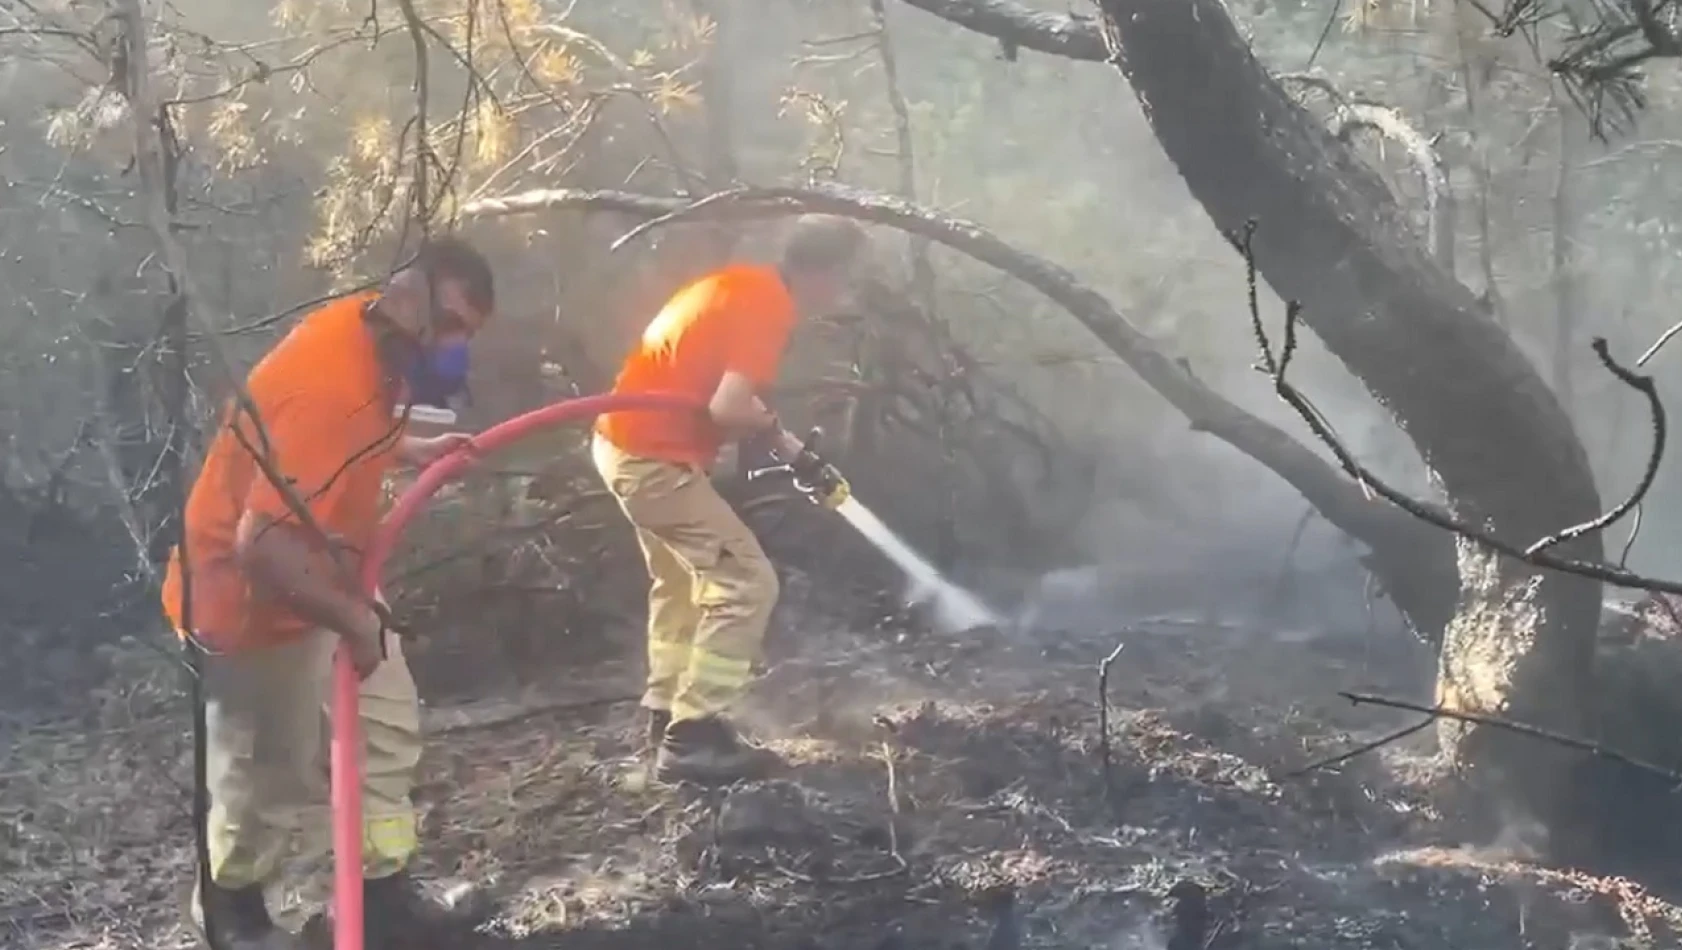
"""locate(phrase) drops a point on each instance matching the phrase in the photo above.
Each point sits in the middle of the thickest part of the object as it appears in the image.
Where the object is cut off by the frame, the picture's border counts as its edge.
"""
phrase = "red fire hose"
(347, 739)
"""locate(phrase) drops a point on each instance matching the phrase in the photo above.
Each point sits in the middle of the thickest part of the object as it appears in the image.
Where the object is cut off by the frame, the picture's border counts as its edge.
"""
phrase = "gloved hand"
(812, 476)
(820, 480)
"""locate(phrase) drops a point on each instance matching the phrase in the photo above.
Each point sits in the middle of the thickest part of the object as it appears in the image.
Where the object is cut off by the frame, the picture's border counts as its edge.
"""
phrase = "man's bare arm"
(410, 449)
(282, 560)
(741, 413)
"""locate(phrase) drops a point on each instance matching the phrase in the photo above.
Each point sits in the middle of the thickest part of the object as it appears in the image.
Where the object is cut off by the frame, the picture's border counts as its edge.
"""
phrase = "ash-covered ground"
(947, 791)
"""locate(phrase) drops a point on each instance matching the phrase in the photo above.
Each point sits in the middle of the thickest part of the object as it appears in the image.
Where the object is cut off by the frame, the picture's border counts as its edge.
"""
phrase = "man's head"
(818, 258)
(445, 292)
(433, 307)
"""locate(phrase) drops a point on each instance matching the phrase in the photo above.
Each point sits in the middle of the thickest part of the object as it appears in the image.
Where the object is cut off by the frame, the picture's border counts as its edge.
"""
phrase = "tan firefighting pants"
(712, 587)
(267, 759)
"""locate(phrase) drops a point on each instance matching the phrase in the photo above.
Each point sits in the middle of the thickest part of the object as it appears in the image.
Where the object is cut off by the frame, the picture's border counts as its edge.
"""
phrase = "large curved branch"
(1396, 540)
(1017, 24)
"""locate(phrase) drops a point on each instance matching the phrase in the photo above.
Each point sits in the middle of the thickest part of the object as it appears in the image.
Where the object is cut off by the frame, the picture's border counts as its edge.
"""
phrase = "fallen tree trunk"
(1522, 641)
(1412, 560)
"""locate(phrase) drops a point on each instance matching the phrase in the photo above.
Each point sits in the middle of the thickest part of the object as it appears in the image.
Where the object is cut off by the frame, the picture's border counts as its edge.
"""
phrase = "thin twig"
(1523, 729)
(1629, 543)
(1658, 344)
(922, 271)
(1325, 32)
(679, 213)
(893, 801)
(1361, 749)
(1275, 365)
(261, 72)
(1287, 566)
(1104, 717)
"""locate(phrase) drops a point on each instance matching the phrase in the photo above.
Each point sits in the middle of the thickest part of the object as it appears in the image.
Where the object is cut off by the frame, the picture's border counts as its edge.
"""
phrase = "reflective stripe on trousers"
(267, 765)
(711, 588)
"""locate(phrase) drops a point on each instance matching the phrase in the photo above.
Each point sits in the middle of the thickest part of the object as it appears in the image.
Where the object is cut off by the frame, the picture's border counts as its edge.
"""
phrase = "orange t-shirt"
(322, 403)
(735, 319)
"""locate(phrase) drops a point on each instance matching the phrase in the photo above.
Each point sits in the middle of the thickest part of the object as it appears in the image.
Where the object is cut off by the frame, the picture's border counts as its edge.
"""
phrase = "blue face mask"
(438, 373)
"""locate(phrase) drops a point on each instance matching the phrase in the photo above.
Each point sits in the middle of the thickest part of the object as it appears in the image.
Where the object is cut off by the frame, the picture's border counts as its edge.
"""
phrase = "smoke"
(1297, 579)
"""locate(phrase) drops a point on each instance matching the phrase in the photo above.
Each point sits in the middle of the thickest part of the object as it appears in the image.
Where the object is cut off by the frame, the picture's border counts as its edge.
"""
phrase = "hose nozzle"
(812, 476)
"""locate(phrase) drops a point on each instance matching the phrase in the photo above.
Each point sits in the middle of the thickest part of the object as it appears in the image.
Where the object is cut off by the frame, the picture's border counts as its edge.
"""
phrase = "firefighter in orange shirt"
(719, 339)
(271, 600)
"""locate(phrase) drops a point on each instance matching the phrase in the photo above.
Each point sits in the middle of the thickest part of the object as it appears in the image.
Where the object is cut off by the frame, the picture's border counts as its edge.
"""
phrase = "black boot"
(399, 915)
(237, 919)
(708, 751)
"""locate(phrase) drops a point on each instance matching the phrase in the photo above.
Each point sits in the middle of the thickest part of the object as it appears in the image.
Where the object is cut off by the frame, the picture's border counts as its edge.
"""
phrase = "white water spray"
(955, 609)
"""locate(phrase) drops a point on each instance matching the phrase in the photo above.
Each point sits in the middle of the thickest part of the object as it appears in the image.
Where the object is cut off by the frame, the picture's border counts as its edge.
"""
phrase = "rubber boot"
(399, 915)
(238, 919)
(709, 751)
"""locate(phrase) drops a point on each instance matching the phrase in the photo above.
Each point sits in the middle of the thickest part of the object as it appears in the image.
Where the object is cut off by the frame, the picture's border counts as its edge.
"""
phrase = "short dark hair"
(822, 242)
(452, 258)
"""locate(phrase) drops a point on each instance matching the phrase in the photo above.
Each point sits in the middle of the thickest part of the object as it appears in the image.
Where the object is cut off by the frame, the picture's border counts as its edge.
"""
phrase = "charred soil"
(943, 793)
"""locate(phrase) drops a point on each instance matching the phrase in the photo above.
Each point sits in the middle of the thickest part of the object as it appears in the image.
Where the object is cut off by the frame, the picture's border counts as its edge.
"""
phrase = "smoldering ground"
(950, 789)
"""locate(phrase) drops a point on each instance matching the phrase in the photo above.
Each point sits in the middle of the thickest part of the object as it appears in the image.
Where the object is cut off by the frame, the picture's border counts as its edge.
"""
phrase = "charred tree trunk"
(1488, 425)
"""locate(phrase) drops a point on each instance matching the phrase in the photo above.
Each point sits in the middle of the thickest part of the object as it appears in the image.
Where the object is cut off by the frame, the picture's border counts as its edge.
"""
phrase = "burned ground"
(945, 792)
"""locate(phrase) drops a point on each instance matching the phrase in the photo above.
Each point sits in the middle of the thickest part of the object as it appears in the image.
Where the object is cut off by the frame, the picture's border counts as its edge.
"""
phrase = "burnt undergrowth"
(947, 794)
(943, 792)
(71, 588)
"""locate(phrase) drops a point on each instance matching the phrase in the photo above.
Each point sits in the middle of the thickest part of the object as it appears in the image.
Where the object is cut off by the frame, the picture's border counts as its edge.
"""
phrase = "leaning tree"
(1520, 639)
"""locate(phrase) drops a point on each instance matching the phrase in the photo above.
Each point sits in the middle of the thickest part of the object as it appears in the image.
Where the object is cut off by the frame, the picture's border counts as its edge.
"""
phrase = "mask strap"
(432, 314)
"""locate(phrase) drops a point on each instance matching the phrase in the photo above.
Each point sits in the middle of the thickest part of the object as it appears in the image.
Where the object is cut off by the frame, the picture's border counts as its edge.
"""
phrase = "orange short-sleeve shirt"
(329, 430)
(735, 319)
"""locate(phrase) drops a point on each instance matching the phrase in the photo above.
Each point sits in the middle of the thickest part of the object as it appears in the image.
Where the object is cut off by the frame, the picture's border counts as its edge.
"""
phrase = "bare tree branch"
(1659, 344)
(922, 272)
(1535, 732)
(1276, 363)
(1076, 37)
(1362, 749)
(419, 194)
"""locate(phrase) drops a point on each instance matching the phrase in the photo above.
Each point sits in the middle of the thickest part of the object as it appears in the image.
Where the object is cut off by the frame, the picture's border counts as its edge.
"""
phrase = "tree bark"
(1487, 424)
(1352, 116)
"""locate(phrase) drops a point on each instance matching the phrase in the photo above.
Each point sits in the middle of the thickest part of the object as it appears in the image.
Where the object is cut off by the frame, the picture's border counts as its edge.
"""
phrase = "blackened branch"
(1523, 729)
(1536, 554)
(1362, 749)
(1655, 407)
(1104, 718)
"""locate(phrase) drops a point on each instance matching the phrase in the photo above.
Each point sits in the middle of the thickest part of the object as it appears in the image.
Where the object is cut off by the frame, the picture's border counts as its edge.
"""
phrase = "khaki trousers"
(712, 587)
(266, 765)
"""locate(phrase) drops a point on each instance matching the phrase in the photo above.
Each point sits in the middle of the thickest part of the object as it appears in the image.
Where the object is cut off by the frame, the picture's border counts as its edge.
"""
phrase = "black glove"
(819, 479)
